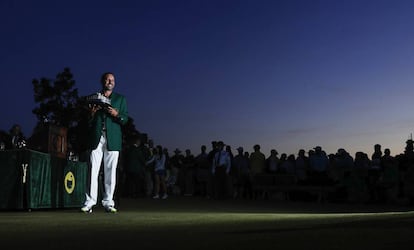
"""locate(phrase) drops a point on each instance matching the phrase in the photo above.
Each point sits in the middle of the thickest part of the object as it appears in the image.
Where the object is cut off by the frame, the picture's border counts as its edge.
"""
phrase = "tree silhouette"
(58, 101)
(129, 131)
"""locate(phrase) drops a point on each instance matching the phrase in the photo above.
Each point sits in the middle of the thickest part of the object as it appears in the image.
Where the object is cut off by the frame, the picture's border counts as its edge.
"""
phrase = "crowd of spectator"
(150, 171)
(218, 174)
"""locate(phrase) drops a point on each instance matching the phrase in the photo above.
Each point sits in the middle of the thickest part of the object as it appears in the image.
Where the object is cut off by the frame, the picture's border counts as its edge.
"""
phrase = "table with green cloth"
(36, 180)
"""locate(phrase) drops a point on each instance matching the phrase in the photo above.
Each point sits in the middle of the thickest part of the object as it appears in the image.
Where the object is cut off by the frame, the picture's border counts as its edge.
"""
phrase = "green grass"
(193, 223)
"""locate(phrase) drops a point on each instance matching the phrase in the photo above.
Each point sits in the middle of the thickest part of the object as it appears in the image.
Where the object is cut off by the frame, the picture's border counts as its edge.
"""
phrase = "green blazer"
(112, 124)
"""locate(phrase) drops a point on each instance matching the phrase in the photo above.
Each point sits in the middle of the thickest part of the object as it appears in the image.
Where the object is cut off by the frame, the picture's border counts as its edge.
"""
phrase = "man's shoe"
(156, 196)
(165, 196)
(86, 210)
(111, 209)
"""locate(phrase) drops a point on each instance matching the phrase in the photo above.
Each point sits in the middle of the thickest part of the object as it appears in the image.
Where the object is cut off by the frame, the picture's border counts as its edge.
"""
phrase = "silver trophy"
(98, 99)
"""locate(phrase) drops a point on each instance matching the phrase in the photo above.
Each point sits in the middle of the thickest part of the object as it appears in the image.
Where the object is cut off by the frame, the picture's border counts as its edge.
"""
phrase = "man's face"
(109, 82)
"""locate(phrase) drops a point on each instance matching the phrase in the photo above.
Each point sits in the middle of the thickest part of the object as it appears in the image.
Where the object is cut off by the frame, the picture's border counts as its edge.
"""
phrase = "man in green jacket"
(105, 143)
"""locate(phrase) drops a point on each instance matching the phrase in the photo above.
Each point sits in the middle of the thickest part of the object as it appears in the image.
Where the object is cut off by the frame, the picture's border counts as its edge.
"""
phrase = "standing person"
(257, 161)
(212, 152)
(159, 172)
(210, 157)
(149, 170)
(257, 165)
(272, 162)
(374, 172)
(241, 175)
(220, 170)
(105, 144)
(203, 173)
(188, 173)
(302, 166)
(176, 180)
(318, 166)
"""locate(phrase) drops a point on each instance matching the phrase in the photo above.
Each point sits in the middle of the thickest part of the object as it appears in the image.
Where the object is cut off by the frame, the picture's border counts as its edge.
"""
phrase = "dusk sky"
(285, 74)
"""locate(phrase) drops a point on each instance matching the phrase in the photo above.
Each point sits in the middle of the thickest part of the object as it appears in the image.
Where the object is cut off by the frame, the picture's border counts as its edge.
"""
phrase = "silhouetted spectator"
(374, 173)
(318, 166)
(301, 166)
(221, 169)
(343, 164)
(257, 165)
(287, 164)
(212, 152)
(241, 175)
(257, 161)
(406, 170)
(389, 179)
(272, 162)
(228, 150)
(160, 186)
(188, 173)
(167, 161)
(149, 170)
(176, 181)
(203, 172)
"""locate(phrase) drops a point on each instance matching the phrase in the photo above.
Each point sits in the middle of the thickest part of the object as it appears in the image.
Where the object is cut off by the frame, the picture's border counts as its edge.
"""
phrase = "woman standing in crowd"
(159, 172)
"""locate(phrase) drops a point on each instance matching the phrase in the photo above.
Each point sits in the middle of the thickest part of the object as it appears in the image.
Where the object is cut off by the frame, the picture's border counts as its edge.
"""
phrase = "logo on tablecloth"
(69, 182)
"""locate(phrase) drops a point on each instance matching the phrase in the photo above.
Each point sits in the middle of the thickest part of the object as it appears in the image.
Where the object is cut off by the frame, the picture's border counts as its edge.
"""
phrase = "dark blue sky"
(284, 74)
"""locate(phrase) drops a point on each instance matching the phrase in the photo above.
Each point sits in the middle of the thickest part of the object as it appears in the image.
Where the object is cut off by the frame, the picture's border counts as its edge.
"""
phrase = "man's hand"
(113, 112)
(93, 108)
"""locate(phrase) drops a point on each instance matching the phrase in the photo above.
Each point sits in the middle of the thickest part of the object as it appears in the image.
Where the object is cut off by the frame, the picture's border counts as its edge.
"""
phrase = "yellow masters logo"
(69, 182)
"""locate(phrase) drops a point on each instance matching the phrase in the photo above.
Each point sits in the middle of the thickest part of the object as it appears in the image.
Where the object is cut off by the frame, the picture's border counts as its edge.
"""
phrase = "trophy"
(98, 99)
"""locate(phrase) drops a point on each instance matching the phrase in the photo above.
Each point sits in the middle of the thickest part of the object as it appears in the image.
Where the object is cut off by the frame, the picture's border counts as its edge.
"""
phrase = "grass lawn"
(196, 223)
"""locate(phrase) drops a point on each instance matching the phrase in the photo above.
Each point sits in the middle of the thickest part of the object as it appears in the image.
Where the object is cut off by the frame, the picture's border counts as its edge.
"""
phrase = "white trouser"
(110, 159)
